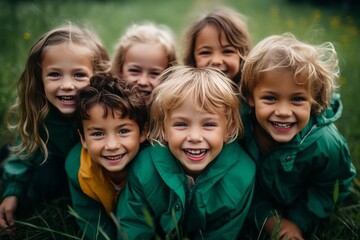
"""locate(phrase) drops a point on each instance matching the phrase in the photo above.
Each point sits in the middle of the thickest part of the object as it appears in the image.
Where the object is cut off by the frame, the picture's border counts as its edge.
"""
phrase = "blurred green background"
(315, 21)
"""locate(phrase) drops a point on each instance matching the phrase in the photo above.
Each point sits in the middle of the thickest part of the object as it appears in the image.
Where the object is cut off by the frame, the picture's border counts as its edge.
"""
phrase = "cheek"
(84, 84)
(200, 62)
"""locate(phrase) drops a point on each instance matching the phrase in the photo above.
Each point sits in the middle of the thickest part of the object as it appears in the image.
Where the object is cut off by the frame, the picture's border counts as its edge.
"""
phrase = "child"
(142, 53)
(219, 39)
(301, 157)
(196, 182)
(59, 64)
(112, 116)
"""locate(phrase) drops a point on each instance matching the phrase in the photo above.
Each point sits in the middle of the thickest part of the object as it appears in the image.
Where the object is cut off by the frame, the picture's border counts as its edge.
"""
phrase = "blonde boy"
(195, 181)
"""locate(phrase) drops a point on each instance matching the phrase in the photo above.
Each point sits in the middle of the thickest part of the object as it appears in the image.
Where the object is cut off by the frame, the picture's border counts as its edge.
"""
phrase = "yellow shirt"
(96, 184)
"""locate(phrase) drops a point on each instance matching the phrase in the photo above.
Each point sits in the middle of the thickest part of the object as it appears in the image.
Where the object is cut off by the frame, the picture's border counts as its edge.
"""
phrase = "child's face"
(209, 50)
(195, 137)
(64, 72)
(112, 142)
(282, 107)
(142, 64)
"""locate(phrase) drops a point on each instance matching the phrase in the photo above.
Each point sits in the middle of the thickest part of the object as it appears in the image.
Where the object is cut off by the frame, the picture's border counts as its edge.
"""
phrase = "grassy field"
(22, 22)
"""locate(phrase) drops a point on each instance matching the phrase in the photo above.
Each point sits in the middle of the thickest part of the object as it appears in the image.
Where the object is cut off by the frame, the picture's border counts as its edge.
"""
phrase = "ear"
(251, 102)
(83, 142)
(144, 132)
(229, 132)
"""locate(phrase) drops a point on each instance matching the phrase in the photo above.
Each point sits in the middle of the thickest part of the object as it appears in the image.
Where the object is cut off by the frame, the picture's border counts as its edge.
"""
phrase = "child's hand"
(288, 230)
(7, 210)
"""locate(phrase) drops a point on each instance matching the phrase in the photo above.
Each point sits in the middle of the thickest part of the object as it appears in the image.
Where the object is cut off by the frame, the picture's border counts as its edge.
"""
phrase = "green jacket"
(91, 212)
(33, 178)
(297, 179)
(158, 196)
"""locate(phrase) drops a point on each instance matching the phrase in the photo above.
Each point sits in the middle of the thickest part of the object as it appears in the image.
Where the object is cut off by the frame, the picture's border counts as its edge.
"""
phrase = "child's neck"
(263, 139)
(117, 177)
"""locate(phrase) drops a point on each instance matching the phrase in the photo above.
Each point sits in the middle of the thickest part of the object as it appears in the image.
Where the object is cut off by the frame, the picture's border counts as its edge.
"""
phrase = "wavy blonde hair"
(27, 115)
(208, 88)
(314, 65)
(146, 32)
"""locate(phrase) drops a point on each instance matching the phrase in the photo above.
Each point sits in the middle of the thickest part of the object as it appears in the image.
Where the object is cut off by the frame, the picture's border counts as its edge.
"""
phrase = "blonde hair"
(315, 65)
(208, 88)
(146, 32)
(28, 114)
(231, 23)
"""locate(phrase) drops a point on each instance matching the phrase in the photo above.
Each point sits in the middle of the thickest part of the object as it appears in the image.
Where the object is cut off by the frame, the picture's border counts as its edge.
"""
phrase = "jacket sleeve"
(135, 218)
(334, 167)
(17, 175)
(90, 214)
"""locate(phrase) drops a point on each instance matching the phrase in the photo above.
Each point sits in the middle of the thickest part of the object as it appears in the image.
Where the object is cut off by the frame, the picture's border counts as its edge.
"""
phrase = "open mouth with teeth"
(196, 154)
(145, 93)
(115, 158)
(66, 99)
(282, 125)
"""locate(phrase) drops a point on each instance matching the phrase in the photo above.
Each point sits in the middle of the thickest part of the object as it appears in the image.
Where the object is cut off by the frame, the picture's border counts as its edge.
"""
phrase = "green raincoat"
(298, 179)
(158, 199)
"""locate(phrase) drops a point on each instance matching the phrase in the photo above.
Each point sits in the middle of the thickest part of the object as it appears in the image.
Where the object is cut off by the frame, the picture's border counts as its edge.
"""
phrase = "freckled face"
(64, 72)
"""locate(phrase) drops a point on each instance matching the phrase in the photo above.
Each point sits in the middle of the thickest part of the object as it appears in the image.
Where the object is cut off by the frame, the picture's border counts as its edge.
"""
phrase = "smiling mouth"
(114, 158)
(68, 99)
(195, 154)
(145, 93)
(282, 125)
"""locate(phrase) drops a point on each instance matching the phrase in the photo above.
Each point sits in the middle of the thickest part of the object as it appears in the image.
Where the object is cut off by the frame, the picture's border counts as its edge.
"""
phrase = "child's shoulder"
(146, 158)
(240, 162)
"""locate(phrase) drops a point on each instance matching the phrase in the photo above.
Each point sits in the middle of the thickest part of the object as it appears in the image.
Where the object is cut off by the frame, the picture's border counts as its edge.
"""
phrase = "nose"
(283, 110)
(112, 143)
(67, 84)
(195, 135)
(216, 60)
(143, 80)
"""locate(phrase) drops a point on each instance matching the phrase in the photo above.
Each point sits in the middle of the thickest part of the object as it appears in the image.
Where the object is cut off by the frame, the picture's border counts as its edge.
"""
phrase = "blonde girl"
(142, 53)
(60, 63)
(218, 39)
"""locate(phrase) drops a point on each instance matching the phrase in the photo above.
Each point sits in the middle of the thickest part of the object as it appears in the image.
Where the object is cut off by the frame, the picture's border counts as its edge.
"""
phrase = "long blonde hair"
(28, 114)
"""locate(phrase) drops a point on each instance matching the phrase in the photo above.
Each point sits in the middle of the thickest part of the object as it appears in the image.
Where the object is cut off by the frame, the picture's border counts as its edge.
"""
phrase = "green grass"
(22, 22)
